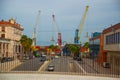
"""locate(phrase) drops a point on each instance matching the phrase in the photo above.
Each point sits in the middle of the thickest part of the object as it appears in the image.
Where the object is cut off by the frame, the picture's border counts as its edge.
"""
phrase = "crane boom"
(79, 31)
(35, 28)
(59, 41)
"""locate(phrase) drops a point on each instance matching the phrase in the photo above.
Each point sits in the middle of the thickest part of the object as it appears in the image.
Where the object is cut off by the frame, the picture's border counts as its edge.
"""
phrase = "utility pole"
(35, 28)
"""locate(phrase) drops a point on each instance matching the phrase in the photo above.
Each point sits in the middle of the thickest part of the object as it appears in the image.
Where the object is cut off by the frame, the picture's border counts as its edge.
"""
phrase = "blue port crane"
(78, 31)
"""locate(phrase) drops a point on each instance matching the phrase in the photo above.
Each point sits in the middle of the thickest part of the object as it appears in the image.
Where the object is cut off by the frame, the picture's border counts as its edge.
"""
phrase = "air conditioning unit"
(106, 64)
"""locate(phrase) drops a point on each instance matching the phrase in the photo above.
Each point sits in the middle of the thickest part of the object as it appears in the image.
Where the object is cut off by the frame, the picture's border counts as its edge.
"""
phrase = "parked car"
(4, 59)
(10, 59)
(50, 68)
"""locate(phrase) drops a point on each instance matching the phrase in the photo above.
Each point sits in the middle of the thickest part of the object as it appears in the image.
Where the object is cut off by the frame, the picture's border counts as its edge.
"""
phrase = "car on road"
(51, 68)
(42, 58)
(56, 57)
(27, 57)
(79, 59)
(75, 57)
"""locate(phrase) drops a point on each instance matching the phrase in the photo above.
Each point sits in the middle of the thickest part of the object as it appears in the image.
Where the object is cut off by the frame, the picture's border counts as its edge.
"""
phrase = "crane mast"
(79, 30)
(59, 41)
(35, 29)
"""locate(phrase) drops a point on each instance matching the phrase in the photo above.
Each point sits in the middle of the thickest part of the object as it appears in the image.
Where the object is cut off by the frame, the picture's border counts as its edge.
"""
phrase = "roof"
(9, 23)
(110, 29)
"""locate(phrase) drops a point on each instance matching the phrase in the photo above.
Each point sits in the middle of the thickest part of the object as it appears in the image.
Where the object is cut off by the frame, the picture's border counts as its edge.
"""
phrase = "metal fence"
(63, 65)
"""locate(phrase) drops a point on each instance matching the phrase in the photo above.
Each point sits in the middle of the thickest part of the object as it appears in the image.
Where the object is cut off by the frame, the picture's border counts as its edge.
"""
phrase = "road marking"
(44, 66)
(81, 68)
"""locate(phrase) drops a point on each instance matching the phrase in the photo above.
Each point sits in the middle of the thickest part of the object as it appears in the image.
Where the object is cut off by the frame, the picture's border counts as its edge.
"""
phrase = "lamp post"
(80, 50)
(93, 53)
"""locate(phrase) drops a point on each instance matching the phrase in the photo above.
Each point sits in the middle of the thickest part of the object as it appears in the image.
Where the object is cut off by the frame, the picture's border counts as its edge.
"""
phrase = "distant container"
(95, 34)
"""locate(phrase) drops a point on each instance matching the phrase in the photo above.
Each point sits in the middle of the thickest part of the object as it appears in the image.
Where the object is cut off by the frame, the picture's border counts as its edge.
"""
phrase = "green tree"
(74, 49)
(26, 42)
(86, 45)
(53, 47)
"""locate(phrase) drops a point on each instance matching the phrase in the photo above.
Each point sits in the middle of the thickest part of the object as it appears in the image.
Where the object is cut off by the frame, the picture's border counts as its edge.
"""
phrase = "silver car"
(50, 68)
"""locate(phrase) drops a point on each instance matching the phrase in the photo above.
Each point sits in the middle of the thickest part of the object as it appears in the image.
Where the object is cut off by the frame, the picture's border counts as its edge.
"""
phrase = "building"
(95, 44)
(10, 34)
(66, 50)
(111, 46)
(84, 52)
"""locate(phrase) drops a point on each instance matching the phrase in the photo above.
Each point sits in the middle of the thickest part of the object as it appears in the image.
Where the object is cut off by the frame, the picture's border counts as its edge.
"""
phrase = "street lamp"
(93, 53)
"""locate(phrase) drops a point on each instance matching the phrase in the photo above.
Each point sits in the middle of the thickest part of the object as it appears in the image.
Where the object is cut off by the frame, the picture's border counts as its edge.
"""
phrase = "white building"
(10, 34)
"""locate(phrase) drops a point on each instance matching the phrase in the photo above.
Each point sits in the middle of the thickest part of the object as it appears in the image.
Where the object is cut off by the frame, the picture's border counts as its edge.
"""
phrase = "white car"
(50, 68)
(56, 56)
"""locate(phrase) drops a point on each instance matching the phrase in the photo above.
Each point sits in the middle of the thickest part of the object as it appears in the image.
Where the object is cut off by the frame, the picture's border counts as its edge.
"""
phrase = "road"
(29, 65)
(61, 64)
(87, 67)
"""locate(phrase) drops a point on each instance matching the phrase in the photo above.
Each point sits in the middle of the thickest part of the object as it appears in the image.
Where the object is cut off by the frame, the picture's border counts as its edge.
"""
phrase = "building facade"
(95, 44)
(10, 34)
(111, 45)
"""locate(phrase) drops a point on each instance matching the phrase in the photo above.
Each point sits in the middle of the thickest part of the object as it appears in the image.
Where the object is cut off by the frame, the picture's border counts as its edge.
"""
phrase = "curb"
(44, 66)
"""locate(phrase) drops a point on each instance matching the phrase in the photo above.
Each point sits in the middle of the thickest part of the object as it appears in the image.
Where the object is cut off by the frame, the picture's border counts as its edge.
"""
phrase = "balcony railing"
(61, 65)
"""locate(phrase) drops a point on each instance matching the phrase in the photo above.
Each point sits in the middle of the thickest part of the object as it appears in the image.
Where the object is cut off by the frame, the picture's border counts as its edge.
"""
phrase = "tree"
(26, 42)
(86, 45)
(52, 47)
(74, 49)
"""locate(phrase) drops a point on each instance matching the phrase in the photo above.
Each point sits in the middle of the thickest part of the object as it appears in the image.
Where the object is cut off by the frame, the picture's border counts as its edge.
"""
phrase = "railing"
(63, 65)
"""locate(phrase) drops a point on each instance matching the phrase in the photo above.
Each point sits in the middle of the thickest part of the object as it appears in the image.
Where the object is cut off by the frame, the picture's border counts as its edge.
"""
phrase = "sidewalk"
(51, 77)
(7, 66)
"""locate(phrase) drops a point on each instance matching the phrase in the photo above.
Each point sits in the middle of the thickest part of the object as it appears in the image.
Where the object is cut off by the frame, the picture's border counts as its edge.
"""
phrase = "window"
(106, 39)
(2, 35)
(3, 29)
(119, 37)
(113, 38)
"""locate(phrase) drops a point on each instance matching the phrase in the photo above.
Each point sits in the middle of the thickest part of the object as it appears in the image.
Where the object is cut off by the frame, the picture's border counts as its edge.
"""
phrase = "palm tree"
(26, 42)
(74, 49)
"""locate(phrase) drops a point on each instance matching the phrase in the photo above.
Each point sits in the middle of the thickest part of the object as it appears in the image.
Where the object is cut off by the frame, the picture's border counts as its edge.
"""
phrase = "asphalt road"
(29, 65)
(61, 64)
(87, 67)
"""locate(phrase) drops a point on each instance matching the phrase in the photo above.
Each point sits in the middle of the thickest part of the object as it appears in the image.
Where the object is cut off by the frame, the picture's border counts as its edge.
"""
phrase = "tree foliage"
(86, 45)
(74, 49)
(26, 42)
(53, 47)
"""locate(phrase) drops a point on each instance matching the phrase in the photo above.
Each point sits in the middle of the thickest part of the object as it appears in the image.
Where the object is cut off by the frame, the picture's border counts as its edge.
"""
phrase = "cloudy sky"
(101, 14)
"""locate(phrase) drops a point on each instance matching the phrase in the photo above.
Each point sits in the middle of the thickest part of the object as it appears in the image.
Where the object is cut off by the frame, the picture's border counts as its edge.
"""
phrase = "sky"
(68, 14)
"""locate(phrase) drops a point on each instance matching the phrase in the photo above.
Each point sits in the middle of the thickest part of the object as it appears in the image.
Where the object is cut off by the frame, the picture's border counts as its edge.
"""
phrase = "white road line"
(81, 68)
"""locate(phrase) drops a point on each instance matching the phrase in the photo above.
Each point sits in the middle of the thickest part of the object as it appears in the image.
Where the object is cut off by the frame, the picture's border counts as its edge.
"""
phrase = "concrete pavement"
(51, 77)
(7, 66)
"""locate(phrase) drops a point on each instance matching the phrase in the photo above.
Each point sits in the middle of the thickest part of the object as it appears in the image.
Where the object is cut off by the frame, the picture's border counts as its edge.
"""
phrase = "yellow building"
(10, 34)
